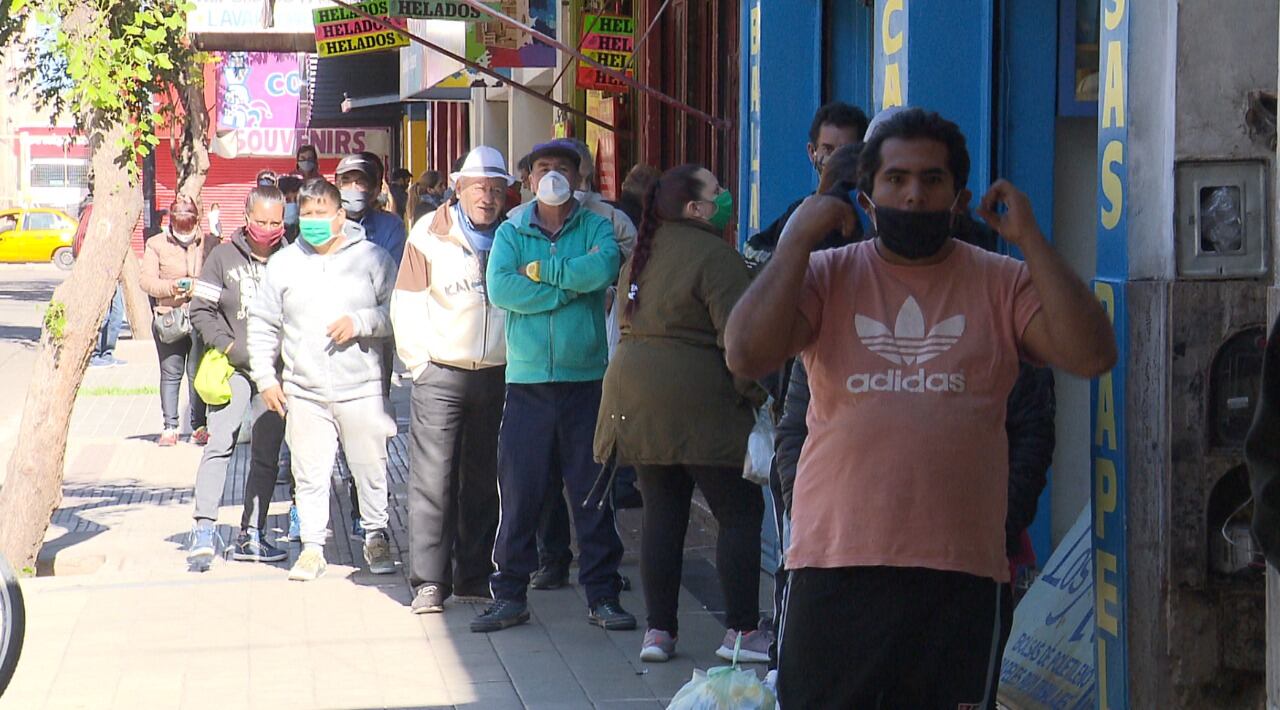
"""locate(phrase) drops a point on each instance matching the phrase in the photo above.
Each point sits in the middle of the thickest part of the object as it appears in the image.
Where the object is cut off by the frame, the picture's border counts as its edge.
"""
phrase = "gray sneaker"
(428, 600)
(204, 548)
(753, 649)
(377, 553)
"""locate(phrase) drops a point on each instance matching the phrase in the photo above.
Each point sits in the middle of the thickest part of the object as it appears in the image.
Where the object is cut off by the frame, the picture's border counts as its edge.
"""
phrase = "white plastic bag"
(724, 688)
(760, 447)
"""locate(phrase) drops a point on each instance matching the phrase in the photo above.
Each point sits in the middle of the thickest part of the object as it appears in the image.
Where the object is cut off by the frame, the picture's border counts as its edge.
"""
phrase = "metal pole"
(483, 70)
(638, 86)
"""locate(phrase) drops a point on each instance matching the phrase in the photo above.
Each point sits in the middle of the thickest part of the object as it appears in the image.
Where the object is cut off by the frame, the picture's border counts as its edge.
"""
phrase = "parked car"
(37, 234)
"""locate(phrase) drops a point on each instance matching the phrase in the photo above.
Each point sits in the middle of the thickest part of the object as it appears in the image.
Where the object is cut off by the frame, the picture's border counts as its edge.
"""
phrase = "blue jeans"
(110, 331)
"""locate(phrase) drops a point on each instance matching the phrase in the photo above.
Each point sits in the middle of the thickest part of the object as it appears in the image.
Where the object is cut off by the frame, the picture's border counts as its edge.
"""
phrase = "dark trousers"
(453, 488)
(546, 438)
(553, 531)
(224, 428)
(109, 334)
(177, 359)
(780, 574)
(890, 637)
(738, 508)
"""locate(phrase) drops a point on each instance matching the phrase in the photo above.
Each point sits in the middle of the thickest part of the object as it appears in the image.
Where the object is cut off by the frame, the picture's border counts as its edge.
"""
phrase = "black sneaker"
(428, 600)
(550, 577)
(610, 616)
(501, 614)
(250, 547)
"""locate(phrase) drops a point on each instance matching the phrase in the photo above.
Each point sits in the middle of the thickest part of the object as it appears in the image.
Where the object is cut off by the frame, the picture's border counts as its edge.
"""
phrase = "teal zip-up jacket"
(555, 326)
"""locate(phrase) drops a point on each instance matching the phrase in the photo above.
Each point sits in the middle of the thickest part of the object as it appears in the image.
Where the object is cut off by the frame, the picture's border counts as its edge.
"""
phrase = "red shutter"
(228, 183)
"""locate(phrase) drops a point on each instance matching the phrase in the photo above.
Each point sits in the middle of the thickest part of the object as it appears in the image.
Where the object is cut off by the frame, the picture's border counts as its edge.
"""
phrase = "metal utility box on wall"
(1222, 219)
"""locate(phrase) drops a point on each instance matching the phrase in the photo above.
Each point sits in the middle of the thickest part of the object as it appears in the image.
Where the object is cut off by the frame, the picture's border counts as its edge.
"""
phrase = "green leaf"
(162, 61)
(155, 35)
(144, 73)
(16, 6)
(142, 55)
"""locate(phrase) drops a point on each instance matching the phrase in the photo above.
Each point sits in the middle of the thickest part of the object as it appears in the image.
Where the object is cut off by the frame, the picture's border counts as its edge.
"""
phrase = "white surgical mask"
(554, 189)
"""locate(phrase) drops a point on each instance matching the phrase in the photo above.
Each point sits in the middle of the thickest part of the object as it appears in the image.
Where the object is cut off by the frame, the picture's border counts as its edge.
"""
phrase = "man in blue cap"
(549, 269)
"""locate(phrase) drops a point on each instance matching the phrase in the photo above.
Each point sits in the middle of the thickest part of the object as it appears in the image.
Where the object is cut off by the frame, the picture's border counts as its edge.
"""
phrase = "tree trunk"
(190, 142)
(136, 304)
(33, 488)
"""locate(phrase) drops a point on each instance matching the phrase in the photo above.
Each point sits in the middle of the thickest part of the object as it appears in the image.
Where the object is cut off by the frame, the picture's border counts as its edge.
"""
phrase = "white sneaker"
(309, 567)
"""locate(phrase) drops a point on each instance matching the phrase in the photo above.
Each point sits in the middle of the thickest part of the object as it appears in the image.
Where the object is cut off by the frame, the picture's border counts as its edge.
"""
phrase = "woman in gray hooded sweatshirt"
(324, 309)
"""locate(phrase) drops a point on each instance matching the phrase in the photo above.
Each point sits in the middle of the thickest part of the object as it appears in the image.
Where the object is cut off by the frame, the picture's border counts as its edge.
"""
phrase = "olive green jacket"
(668, 396)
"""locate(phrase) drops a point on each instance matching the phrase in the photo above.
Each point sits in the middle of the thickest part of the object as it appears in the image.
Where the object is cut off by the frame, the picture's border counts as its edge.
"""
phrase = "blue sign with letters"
(1110, 545)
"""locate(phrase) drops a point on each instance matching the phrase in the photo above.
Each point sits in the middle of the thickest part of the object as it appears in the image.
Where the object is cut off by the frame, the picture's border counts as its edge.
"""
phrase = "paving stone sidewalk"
(123, 624)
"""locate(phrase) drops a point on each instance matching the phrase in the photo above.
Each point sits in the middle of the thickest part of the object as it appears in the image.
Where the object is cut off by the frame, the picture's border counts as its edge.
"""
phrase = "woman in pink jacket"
(170, 265)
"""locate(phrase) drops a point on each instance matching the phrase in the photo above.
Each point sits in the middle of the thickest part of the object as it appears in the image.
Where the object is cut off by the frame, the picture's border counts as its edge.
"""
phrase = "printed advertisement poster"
(258, 90)
(493, 44)
(340, 32)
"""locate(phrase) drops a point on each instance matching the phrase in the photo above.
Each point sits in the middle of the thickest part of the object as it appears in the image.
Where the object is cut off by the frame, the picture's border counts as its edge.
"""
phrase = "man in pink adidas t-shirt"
(912, 342)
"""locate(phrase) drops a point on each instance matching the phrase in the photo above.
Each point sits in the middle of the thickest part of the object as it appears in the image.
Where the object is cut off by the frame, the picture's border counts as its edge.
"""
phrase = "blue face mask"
(291, 213)
(355, 201)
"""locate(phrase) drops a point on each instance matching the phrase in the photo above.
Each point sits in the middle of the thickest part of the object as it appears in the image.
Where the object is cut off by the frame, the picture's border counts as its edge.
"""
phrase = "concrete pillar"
(530, 122)
(489, 118)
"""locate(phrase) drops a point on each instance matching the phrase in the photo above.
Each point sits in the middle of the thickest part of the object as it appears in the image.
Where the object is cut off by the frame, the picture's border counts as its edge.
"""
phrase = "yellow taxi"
(37, 234)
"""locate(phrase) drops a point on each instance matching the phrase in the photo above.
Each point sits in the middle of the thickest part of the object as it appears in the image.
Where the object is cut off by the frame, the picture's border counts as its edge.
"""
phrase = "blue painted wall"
(783, 72)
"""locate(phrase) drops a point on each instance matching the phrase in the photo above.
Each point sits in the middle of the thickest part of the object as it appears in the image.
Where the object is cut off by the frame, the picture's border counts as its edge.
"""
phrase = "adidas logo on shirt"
(908, 343)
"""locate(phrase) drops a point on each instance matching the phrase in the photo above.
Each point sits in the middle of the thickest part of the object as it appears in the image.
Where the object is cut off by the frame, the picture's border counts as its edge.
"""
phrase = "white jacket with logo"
(440, 310)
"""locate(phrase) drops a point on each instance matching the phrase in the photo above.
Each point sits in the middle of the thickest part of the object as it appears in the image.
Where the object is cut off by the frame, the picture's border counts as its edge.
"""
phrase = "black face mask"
(912, 234)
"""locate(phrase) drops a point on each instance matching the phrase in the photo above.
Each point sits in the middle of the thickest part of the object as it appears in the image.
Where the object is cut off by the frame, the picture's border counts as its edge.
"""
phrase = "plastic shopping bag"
(760, 447)
(213, 378)
(724, 688)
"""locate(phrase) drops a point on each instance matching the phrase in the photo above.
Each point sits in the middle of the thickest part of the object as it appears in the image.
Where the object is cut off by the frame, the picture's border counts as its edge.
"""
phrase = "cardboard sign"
(609, 40)
(340, 32)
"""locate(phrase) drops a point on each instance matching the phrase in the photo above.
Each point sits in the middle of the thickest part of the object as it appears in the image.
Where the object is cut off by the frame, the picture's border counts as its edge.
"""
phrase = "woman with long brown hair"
(672, 409)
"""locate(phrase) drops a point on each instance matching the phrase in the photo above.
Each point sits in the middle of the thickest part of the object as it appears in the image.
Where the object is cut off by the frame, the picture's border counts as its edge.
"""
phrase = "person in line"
(554, 554)
(635, 186)
(324, 309)
(170, 264)
(549, 269)
(452, 338)
(912, 343)
(289, 186)
(672, 409)
(360, 180)
(308, 162)
(399, 186)
(228, 284)
(215, 222)
(104, 348)
(426, 195)
(834, 126)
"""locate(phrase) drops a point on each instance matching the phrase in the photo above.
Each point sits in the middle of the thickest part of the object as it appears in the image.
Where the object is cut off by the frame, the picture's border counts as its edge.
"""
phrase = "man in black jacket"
(835, 125)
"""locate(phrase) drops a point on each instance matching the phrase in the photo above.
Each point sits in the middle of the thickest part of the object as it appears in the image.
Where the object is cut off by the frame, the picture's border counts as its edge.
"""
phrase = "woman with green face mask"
(672, 409)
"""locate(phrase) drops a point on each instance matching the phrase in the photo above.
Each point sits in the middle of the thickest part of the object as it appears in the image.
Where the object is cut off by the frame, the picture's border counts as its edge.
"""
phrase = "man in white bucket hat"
(452, 339)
